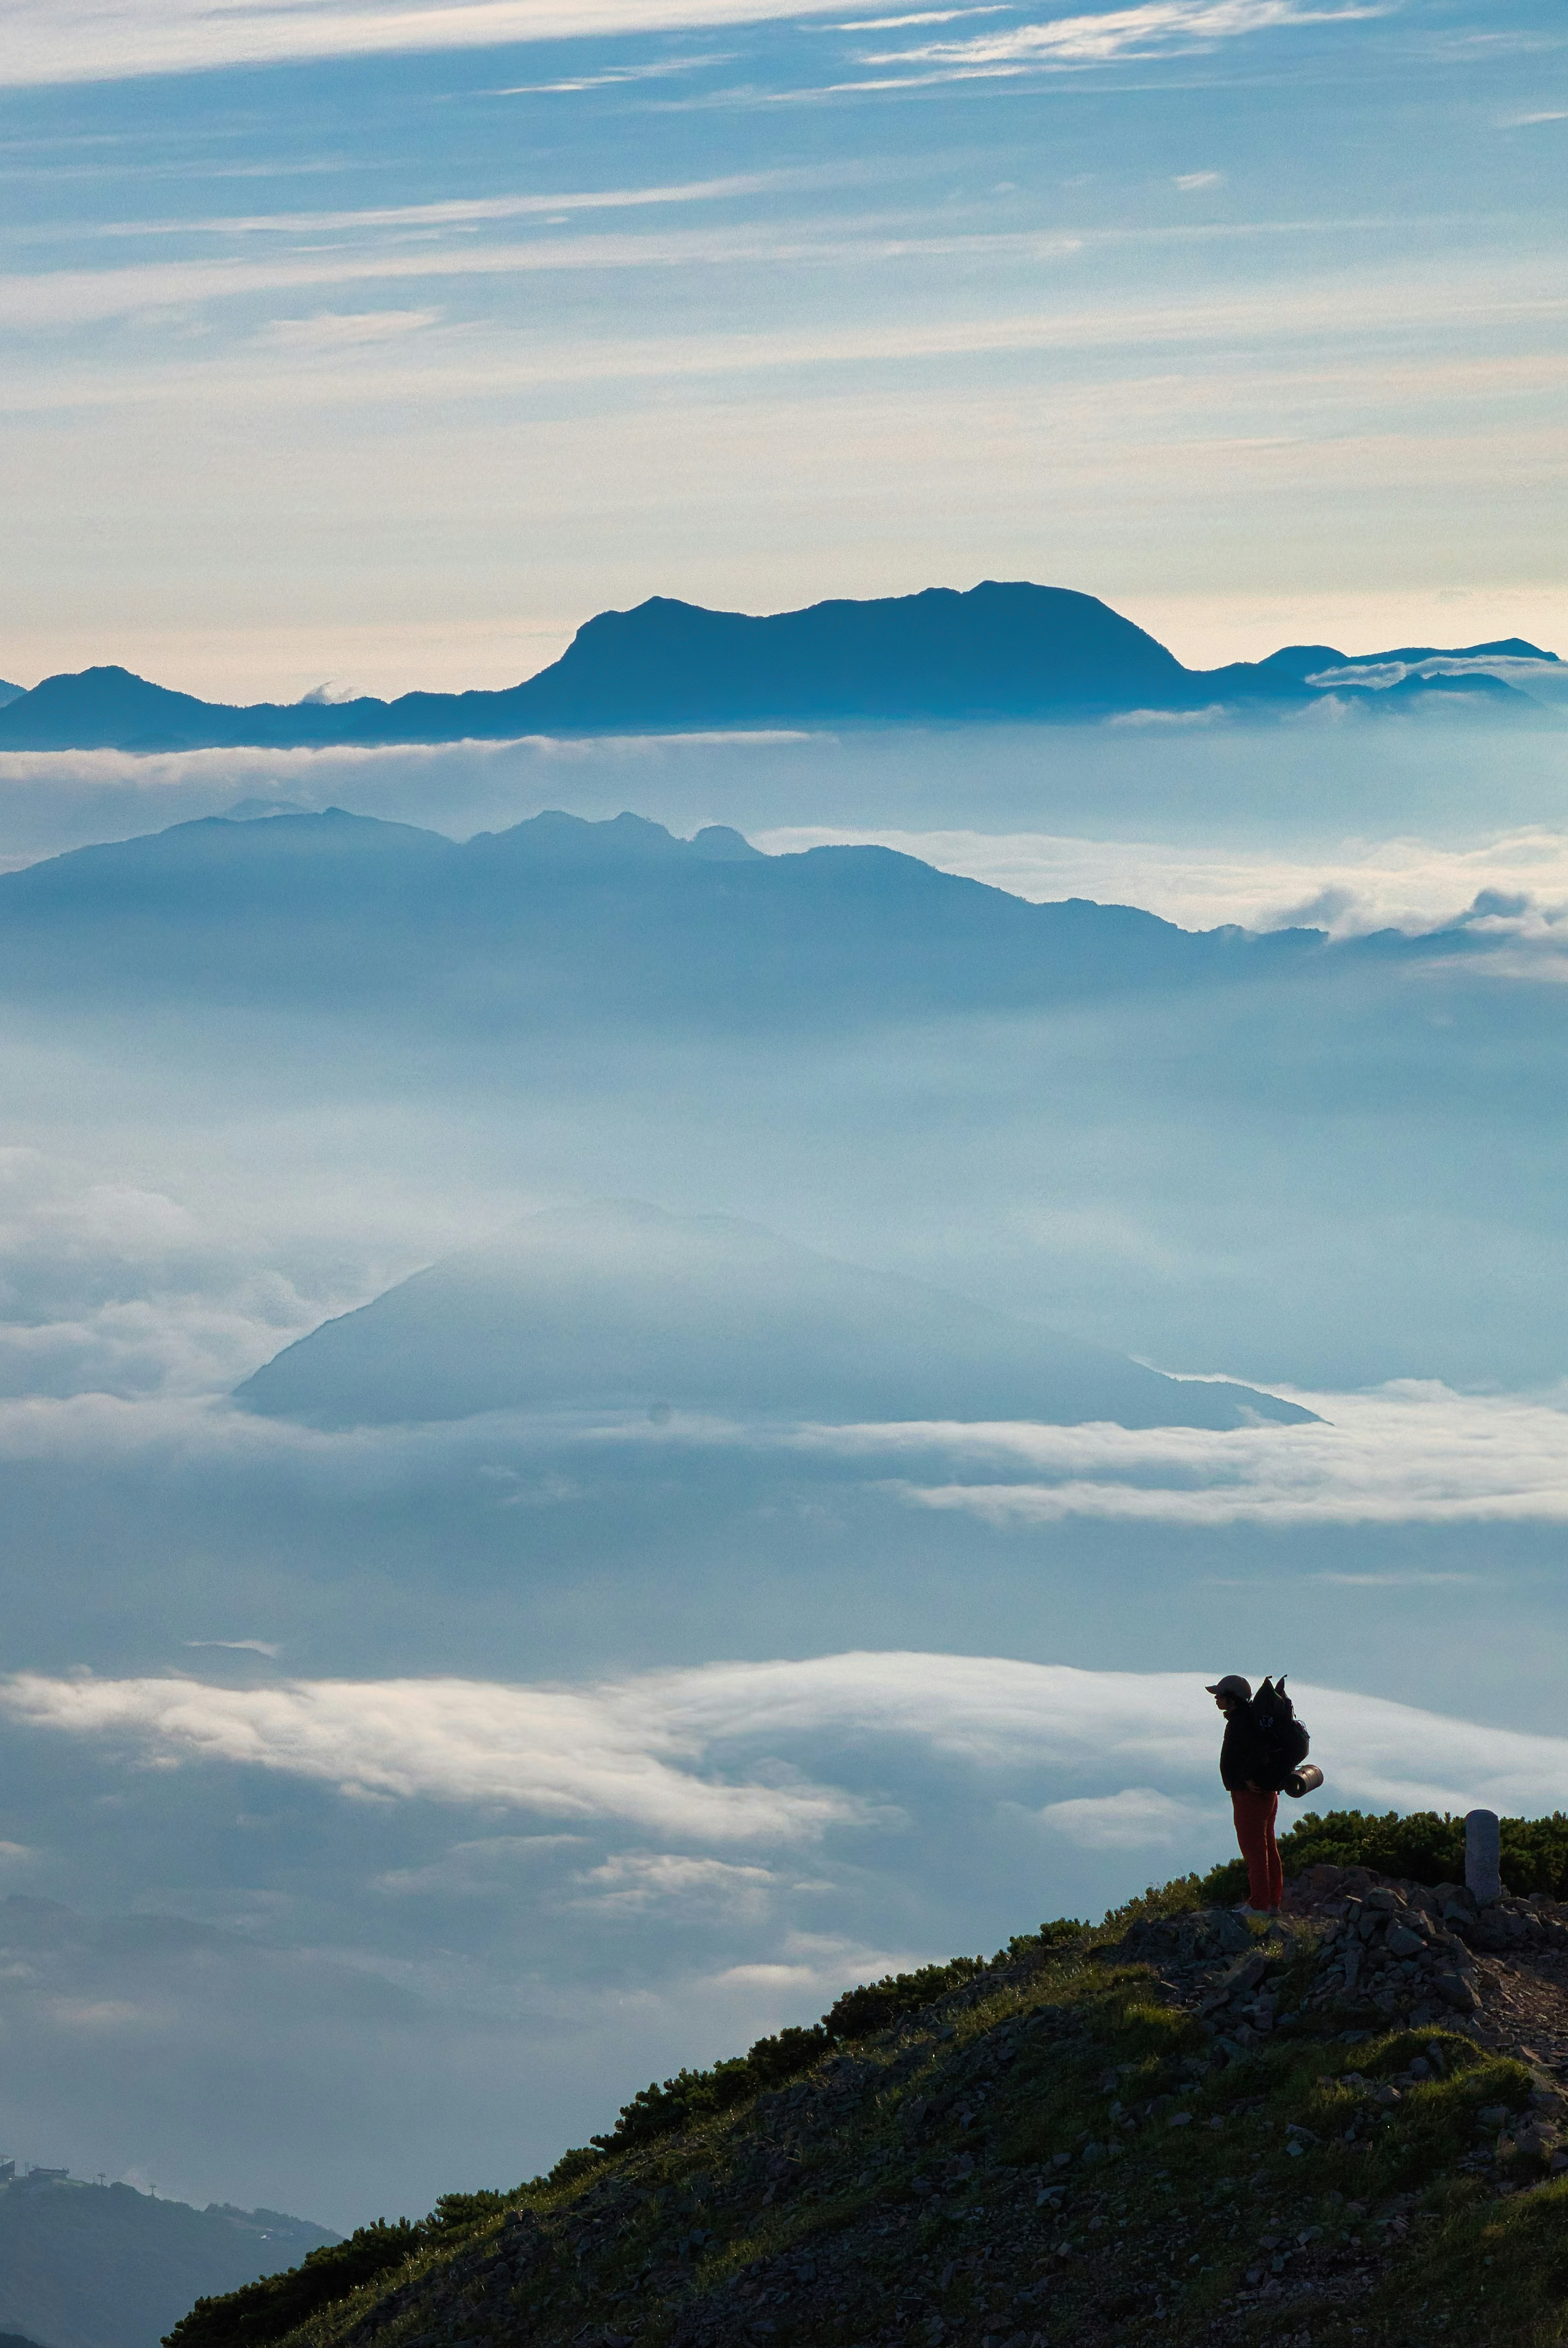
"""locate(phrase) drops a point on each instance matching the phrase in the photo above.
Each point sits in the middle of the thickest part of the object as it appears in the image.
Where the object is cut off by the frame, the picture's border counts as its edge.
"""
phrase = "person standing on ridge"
(1245, 1767)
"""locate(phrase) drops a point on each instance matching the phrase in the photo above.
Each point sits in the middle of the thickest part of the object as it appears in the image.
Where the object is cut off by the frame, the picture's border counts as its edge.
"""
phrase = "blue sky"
(383, 344)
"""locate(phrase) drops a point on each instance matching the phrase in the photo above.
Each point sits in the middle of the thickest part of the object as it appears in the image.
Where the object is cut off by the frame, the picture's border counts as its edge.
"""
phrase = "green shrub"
(1225, 1885)
(877, 2005)
(579, 2162)
(266, 2309)
(1059, 1933)
(665, 2106)
(454, 2213)
(1160, 1899)
(1426, 1848)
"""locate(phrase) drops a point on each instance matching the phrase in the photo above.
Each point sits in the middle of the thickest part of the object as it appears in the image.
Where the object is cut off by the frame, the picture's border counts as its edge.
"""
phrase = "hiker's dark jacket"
(1244, 1758)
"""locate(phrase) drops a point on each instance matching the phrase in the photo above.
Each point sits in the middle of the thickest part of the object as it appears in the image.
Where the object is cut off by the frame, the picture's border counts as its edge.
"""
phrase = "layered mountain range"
(560, 922)
(1000, 651)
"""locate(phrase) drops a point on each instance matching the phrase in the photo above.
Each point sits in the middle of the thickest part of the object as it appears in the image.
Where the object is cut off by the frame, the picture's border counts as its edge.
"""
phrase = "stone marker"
(1483, 1857)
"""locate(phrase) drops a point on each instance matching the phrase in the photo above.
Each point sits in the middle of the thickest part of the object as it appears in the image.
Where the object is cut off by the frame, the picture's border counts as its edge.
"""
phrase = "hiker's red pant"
(1255, 1815)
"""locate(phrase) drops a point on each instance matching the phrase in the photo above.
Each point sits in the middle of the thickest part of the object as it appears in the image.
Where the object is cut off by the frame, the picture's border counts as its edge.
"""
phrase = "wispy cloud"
(1153, 30)
(333, 331)
(101, 40)
(1136, 1818)
(613, 77)
(78, 296)
(920, 17)
(1299, 309)
(478, 211)
(631, 1882)
(93, 40)
(240, 1646)
(481, 1869)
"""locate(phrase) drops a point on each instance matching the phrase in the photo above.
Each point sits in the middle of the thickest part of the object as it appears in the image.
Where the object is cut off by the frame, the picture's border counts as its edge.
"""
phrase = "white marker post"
(1483, 1857)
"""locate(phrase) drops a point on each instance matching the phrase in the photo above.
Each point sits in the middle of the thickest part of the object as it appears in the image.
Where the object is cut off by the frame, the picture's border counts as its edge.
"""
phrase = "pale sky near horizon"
(380, 345)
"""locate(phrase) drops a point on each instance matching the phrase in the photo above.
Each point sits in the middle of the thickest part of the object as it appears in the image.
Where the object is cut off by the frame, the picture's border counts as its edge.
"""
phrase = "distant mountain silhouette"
(103, 2266)
(9, 692)
(1500, 648)
(999, 651)
(618, 1306)
(559, 921)
(108, 708)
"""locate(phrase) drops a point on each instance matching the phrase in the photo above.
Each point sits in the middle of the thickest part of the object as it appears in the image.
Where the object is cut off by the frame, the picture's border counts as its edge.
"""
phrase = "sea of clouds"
(383, 1808)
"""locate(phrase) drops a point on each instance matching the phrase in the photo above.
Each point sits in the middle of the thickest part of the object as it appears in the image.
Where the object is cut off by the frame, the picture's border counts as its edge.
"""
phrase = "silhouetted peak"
(1502, 648)
(720, 843)
(1302, 660)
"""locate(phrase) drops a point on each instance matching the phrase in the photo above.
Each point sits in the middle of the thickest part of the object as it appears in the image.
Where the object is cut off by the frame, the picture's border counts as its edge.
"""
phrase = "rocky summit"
(1344, 2125)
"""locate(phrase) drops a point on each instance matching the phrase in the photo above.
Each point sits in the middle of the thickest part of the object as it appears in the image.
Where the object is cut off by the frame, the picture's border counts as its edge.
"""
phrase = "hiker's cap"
(1234, 1685)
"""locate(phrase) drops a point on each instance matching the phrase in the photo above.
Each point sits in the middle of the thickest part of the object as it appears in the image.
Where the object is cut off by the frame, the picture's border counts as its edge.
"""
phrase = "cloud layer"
(1412, 1452)
(646, 1751)
(1515, 882)
(559, 1753)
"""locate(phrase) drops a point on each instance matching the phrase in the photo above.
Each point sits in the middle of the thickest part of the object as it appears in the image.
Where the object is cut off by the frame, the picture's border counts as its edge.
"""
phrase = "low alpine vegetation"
(1181, 2126)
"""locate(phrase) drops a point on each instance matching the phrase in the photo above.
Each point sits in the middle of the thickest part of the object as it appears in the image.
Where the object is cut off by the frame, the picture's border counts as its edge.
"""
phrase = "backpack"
(1282, 1738)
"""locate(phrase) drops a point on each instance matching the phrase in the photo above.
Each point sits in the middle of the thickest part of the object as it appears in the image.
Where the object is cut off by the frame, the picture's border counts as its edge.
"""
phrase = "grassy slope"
(937, 2183)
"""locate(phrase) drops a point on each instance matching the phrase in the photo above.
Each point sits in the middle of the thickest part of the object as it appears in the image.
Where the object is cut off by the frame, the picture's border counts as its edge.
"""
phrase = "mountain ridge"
(999, 651)
(564, 917)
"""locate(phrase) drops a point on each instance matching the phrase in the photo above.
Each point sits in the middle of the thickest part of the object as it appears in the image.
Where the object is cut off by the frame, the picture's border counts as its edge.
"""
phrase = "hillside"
(102, 2266)
(1003, 650)
(1181, 2127)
